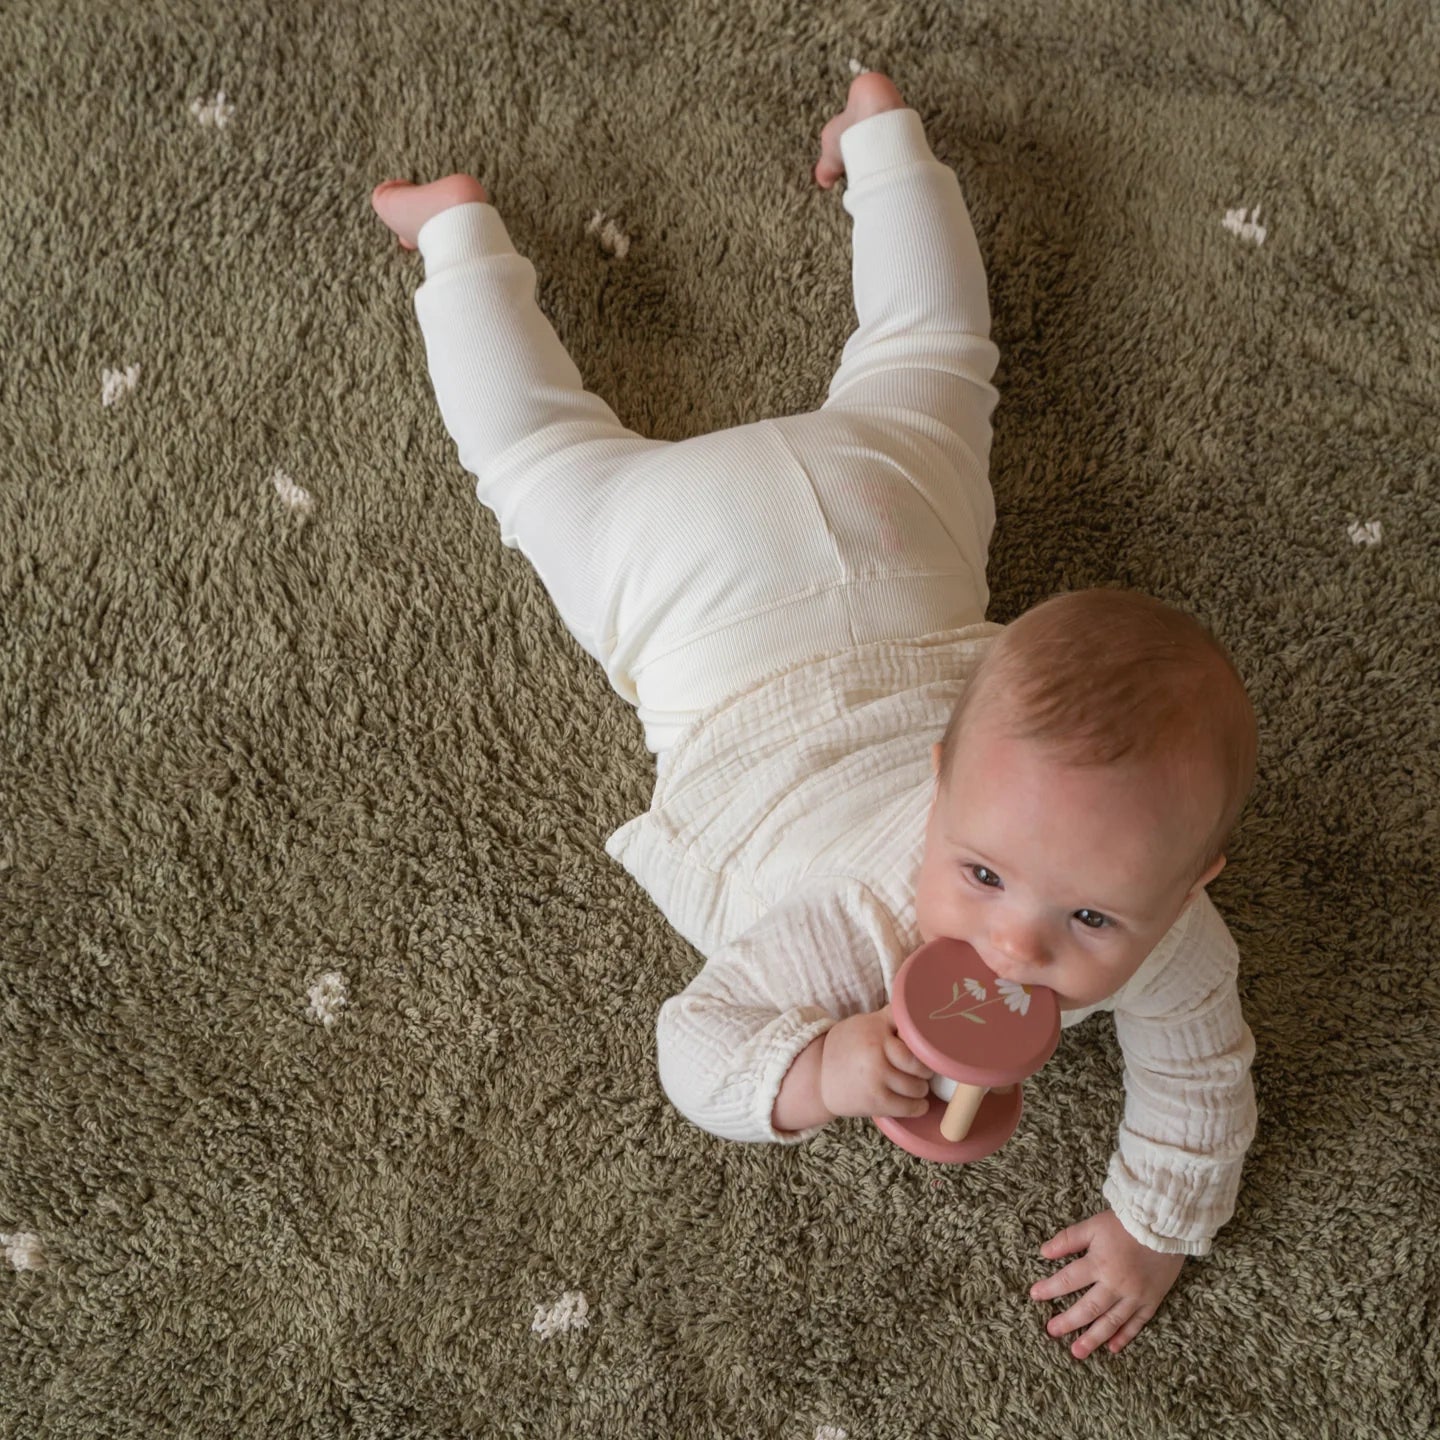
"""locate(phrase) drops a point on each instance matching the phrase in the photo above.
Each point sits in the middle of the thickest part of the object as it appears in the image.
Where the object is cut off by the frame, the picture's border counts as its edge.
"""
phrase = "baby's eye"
(974, 868)
(1104, 920)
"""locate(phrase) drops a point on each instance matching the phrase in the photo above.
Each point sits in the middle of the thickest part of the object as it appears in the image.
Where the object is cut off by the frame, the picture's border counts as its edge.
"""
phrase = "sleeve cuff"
(785, 1048)
(890, 140)
(1135, 1226)
(462, 232)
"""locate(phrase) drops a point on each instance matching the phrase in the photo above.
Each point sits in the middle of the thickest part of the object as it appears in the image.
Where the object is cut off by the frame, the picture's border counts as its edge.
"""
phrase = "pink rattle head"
(981, 1034)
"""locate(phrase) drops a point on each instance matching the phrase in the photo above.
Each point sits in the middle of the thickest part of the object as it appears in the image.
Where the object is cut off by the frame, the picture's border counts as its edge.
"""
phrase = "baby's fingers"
(906, 1095)
(902, 1057)
(901, 1103)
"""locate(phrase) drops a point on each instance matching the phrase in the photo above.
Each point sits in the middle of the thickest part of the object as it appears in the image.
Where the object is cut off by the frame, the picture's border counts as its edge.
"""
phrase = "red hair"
(1103, 674)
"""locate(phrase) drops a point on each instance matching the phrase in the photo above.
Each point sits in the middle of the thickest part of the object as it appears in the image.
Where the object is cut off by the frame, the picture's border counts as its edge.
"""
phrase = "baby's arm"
(860, 1066)
(729, 1041)
(1190, 1111)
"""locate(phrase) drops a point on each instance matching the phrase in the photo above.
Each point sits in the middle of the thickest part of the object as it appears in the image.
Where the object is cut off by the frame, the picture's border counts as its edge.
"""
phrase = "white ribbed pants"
(690, 569)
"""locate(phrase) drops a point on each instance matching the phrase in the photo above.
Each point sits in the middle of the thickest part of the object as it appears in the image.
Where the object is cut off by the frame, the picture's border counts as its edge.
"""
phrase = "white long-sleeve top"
(783, 841)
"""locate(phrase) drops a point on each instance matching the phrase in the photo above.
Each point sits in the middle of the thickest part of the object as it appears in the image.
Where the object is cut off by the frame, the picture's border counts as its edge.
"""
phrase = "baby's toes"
(382, 187)
(390, 201)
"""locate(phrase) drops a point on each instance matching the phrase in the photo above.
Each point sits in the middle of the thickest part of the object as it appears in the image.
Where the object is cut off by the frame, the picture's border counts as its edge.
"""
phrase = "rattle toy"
(981, 1036)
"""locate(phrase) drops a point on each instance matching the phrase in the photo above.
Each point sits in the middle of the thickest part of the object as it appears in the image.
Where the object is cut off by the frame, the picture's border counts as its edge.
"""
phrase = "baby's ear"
(1204, 880)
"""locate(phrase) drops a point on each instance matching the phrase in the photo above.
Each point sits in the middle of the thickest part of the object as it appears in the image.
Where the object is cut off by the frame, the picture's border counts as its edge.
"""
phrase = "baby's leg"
(923, 338)
(913, 390)
(542, 448)
(655, 553)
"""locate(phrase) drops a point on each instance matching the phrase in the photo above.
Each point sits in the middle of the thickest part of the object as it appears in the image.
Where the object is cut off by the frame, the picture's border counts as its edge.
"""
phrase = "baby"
(796, 610)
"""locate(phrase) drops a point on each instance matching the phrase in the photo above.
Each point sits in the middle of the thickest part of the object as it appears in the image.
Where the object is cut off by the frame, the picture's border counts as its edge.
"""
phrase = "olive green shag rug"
(328, 1103)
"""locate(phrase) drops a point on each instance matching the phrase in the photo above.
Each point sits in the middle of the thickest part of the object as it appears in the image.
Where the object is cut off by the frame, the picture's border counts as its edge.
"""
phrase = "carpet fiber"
(327, 1086)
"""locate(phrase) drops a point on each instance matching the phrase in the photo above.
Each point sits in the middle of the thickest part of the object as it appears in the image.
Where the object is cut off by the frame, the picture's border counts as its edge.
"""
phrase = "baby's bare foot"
(870, 93)
(405, 207)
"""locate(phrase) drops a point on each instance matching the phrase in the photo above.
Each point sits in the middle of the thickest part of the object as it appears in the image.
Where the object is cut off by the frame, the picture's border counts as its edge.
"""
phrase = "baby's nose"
(1018, 943)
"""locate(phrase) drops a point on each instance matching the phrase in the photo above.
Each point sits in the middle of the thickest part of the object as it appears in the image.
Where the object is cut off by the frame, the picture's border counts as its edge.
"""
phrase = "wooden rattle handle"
(960, 1113)
(964, 1106)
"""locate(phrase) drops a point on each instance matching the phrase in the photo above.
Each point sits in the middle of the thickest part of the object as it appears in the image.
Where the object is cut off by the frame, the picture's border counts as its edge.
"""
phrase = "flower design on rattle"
(1016, 998)
(944, 980)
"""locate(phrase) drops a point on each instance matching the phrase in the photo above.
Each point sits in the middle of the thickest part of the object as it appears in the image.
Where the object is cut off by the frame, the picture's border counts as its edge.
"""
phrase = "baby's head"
(1085, 788)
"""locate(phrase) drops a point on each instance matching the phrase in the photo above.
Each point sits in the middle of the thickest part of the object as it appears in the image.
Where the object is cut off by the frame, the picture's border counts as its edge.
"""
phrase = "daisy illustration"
(1016, 998)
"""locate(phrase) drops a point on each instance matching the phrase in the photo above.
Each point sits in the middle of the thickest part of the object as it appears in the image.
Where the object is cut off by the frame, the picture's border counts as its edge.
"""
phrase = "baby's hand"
(870, 93)
(1126, 1282)
(867, 1069)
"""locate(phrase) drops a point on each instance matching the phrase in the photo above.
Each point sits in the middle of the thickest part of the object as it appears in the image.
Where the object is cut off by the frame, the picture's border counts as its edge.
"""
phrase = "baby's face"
(1058, 875)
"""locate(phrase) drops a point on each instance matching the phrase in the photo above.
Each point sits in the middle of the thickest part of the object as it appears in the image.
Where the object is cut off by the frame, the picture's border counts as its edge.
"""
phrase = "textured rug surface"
(328, 1103)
